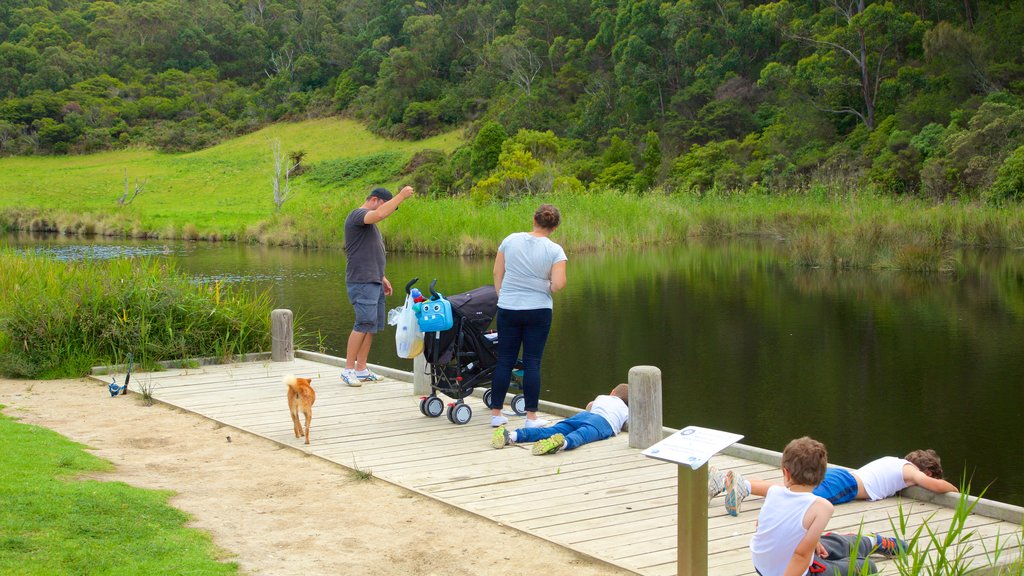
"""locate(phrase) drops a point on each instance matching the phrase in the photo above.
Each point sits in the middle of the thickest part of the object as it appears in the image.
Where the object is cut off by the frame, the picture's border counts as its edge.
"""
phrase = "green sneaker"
(499, 438)
(549, 445)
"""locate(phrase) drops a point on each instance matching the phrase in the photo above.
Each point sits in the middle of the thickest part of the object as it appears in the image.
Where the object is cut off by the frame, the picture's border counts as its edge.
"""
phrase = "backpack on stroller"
(464, 356)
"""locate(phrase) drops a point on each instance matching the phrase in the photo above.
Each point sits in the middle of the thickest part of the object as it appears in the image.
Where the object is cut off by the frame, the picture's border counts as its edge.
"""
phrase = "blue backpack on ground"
(434, 315)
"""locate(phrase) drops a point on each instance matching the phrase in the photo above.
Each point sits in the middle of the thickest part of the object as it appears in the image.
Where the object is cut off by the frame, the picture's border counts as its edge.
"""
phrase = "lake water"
(870, 363)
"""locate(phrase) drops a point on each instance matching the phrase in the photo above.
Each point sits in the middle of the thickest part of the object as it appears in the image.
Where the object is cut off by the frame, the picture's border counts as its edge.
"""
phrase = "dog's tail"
(290, 382)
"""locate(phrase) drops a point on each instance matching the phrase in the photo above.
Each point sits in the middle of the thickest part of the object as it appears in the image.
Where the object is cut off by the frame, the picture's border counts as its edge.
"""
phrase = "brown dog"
(300, 397)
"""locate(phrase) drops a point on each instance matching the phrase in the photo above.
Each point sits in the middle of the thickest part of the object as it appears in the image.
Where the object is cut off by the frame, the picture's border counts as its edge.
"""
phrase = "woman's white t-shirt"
(528, 262)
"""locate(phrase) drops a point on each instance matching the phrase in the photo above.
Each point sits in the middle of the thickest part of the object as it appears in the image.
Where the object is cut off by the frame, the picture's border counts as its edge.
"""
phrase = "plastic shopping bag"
(408, 337)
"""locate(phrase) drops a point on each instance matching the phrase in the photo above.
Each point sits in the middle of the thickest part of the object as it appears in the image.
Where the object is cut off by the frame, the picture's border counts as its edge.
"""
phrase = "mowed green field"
(222, 189)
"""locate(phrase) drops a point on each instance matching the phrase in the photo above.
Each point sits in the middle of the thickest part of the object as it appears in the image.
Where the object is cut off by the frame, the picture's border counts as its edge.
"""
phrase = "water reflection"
(871, 363)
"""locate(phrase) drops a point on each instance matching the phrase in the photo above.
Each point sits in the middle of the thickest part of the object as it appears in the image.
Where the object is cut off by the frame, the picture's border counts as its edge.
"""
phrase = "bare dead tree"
(521, 64)
(281, 191)
(280, 63)
(125, 199)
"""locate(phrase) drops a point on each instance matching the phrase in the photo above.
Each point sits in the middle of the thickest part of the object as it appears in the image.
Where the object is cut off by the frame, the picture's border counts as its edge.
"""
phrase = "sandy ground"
(277, 511)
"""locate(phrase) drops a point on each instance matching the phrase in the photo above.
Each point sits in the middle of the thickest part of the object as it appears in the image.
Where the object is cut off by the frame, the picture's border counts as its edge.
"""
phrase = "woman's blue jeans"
(527, 329)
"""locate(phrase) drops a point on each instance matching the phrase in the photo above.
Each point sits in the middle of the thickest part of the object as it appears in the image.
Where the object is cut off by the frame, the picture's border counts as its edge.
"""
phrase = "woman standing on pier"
(529, 268)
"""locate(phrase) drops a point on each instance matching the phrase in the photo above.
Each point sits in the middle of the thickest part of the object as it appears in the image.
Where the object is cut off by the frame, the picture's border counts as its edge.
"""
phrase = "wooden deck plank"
(605, 500)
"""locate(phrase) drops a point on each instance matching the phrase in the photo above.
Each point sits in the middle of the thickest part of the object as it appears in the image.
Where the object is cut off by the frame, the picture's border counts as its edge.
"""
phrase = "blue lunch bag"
(434, 315)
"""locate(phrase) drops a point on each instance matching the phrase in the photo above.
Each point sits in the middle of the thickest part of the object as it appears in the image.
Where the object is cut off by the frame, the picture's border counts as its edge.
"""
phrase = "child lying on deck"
(875, 480)
(604, 417)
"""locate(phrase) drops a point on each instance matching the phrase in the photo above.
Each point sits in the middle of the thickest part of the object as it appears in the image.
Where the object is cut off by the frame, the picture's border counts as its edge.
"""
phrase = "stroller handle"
(408, 286)
(433, 292)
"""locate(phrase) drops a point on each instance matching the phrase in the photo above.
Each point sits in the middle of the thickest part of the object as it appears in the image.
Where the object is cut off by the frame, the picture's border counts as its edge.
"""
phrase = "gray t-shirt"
(528, 262)
(364, 247)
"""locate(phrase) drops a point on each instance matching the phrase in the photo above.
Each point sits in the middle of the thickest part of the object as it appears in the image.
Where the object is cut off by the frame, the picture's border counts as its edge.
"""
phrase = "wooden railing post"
(420, 378)
(282, 336)
(692, 531)
(645, 416)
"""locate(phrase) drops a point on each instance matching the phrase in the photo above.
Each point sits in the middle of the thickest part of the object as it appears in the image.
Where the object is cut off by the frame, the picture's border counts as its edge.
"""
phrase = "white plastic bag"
(408, 338)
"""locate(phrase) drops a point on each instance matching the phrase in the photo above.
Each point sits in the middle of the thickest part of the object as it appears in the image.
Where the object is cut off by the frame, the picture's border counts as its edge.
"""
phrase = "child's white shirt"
(780, 528)
(883, 477)
(612, 409)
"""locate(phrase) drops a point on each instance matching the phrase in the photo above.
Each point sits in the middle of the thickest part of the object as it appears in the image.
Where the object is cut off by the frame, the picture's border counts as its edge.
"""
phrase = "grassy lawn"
(53, 523)
(222, 189)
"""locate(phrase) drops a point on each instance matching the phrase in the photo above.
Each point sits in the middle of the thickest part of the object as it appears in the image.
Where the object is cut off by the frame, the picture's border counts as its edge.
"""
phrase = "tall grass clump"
(58, 319)
(949, 550)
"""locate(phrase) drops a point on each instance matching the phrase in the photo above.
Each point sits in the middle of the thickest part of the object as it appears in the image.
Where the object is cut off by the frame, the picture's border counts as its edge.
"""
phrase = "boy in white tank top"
(789, 539)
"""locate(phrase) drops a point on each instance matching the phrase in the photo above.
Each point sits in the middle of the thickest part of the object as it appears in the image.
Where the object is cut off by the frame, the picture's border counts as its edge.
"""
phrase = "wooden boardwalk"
(604, 500)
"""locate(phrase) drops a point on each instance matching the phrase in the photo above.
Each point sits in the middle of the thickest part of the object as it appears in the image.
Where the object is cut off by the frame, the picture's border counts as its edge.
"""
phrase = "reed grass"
(223, 193)
(947, 550)
(59, 319)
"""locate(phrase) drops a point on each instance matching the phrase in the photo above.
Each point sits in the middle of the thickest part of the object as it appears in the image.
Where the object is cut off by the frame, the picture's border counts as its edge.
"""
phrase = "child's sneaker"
(549, 445)
(716, 482)
(500, 438)
(367, 376)
(735, 491)
(889, 546)
(348, 376)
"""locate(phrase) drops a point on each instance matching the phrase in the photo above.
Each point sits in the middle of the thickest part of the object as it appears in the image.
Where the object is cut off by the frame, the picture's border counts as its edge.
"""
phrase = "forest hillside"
(900, 97)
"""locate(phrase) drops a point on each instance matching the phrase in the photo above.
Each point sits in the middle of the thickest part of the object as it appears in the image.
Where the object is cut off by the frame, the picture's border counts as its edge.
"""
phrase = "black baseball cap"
(381, 193)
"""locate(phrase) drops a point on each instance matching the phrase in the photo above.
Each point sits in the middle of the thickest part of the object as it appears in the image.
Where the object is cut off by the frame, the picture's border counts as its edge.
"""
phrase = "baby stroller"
(464, 356)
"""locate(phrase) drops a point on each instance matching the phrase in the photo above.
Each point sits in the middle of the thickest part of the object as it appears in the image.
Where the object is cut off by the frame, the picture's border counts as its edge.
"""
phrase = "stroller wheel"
(448, 413)
(460, 413)
(423, 405)
(433, 406)
(519, 404)
(487, 397)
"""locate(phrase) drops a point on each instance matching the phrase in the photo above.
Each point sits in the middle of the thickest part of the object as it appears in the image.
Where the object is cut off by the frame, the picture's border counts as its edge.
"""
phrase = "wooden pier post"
(282, 336)
(645, 409)
(692, 526)
(420, 378)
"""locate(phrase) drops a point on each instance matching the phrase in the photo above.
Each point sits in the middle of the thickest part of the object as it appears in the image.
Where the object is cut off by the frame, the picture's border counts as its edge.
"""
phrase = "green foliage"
(62, 318)
(343, 171)
(970, 156)
(651, 158)
(705, 167)
(56, 523)
(487, 147)
(1009, 184)
(800, 85)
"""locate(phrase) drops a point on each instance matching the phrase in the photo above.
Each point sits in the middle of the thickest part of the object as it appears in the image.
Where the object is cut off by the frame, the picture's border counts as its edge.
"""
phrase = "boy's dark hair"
(622, 392)
(927, 461)
(806, 460)
(547, 216)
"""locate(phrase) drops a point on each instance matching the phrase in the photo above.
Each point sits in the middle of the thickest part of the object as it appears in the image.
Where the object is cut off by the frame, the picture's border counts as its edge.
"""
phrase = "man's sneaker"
(536, 423)
(735, 491)
(368, 376)
(716, 482)
(500, 438)
(498, 421)
(889, 546)
(549, 445)
(348, 376)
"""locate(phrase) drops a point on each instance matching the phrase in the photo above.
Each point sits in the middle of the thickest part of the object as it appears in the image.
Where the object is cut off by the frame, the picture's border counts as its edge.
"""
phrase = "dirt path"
(277, 511)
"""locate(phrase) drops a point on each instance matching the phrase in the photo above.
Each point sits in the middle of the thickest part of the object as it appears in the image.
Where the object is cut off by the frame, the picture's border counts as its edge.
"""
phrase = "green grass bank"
(225, 193)
(55, 523)
(59, 319)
